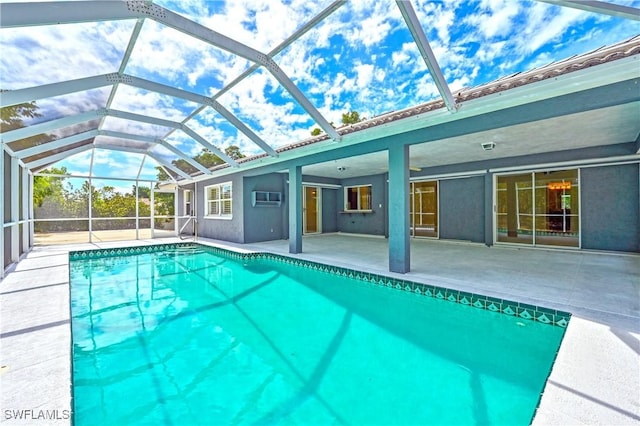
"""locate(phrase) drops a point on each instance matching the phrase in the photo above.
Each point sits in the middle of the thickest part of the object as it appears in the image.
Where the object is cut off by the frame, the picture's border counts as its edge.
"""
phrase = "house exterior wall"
(364, 223)
(610, 200)
(462, 206)
(330, 210)
(222, 229)
(264, 223)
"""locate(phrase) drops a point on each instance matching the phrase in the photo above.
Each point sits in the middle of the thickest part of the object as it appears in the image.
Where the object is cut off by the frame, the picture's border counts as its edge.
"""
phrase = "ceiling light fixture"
(488, 146)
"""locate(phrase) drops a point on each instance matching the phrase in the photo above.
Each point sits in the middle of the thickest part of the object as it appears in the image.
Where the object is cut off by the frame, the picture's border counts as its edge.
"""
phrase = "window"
(218, 201)
(187, 203)
(357, 198)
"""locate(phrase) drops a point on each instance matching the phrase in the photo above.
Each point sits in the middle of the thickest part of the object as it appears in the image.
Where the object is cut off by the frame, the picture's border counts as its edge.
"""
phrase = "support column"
(31, 216)
(15, 209)
(4, 203)
(176, 211)
(153, 212)
(24, 210)
(90, 207)
(90, 196)
(489, 211)
(137, 194)
(295, 209)
(399, 243)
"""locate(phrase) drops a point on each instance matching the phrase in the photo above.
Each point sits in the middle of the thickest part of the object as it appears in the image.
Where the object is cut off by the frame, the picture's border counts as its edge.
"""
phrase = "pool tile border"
(503, 306)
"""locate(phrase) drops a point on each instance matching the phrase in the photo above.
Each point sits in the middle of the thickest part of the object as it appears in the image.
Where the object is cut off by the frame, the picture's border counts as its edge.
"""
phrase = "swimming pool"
(189, 334)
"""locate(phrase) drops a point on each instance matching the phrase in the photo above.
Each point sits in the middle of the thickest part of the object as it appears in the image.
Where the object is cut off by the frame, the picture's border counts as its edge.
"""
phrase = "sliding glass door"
(539, 208)
(514, 209)
(423, 209)
(311, 210)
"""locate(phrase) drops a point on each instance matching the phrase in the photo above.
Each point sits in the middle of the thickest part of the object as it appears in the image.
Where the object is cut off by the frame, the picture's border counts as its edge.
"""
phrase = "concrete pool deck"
(595, 380)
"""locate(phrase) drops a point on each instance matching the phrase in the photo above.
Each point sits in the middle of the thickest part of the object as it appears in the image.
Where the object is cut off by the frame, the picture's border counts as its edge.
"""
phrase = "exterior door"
(423, 209)
(311, 210)
(539, 208)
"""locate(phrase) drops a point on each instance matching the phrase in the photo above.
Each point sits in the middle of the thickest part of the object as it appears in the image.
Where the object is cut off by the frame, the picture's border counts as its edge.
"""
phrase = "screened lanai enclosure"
(114, 112)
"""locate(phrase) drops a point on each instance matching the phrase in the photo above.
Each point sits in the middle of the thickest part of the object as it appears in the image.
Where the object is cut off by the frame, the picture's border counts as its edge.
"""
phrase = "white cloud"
(361, 57)
(134, 127)
(72, 103)
(153, 104)
(106, 164)
(407, 57)
(440, 16)
(426, 89)
(550, 27)
(498, 19)
(34, 56)
(364, 74)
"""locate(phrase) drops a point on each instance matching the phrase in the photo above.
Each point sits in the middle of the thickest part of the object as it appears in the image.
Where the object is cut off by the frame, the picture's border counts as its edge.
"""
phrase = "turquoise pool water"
(186, 336)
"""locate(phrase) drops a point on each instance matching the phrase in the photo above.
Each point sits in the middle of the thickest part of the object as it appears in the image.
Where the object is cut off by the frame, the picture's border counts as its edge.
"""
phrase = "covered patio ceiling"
(605, 126)
(106, 108)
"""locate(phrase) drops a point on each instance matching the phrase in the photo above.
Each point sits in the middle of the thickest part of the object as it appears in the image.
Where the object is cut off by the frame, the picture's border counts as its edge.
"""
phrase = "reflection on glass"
(310, 218)
(555, 219)
(358, 198)
(557, 208)
(423, 209)
(514, 209)
(365, 198)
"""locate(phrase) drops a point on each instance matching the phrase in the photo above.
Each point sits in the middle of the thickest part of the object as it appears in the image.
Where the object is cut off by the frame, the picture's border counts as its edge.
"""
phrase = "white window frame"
(188, 202)
(209, 203)
(359, 209)
(532, 171)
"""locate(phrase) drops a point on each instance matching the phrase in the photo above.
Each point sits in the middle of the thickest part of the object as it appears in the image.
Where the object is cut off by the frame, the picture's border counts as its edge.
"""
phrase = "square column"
(24, 210)
(399, 243)
(4, 201)
(295, 209)
(14, 191)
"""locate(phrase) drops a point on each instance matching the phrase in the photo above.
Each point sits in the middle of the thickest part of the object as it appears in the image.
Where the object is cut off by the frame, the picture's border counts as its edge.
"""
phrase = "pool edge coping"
(508, 307)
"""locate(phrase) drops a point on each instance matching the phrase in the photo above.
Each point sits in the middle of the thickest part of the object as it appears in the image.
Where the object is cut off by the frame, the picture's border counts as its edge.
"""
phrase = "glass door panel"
(423, 209)
(557, 208)
(514, 208)
(311, 215)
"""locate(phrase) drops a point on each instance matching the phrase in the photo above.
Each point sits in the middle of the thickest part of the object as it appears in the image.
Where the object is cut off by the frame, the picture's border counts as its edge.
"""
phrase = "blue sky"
(360, 58)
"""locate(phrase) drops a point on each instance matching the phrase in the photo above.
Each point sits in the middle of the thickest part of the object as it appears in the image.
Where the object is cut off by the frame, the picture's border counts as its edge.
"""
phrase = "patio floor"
(595, 380)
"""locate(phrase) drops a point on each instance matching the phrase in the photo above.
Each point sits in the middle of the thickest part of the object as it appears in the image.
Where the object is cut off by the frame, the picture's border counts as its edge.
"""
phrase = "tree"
(143, 191)
(162, 175)
(351, 117)
(207, 158)
(11, 117)
(233, 151)
(48, 186)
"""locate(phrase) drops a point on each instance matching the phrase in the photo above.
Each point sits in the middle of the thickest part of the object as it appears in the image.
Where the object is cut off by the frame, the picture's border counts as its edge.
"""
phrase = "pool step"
(188, 250)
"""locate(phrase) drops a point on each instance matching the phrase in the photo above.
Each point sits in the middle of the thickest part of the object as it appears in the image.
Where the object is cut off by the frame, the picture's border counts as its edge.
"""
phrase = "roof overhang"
(557, 101)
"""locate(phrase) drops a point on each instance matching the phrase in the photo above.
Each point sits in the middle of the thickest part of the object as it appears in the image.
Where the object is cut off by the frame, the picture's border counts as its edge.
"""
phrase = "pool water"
(186, 337)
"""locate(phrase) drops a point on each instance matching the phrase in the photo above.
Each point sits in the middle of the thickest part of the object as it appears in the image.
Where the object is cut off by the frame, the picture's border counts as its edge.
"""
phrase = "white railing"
(194, 231)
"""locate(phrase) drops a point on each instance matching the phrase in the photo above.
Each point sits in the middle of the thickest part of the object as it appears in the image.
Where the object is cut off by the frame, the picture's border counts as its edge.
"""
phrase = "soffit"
(606, 126)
